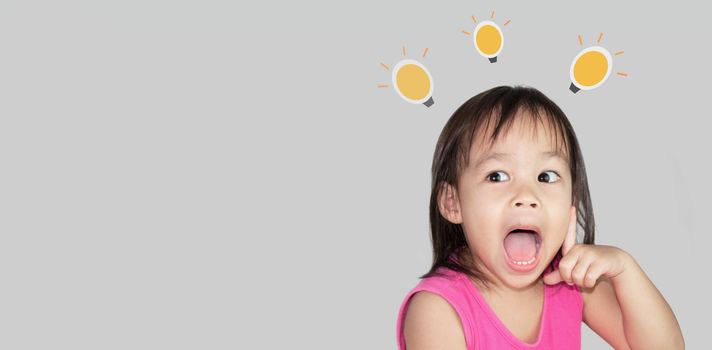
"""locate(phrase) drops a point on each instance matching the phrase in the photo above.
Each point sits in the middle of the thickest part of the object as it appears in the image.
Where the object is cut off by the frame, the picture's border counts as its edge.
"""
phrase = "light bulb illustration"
(412, 81)
(591, 67)
(488, 38)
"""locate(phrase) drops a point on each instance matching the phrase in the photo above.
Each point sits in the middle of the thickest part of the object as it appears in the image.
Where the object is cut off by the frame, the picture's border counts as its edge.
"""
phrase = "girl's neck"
(499, 291)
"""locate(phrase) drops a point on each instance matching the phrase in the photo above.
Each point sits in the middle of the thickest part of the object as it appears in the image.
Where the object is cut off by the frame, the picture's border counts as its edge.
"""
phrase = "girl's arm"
(625, 307)
(648, 320)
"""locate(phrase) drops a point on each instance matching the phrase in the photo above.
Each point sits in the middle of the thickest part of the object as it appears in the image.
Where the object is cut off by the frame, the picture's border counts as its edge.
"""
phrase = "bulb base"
(573, 88)
(429, 102)
(493, 59)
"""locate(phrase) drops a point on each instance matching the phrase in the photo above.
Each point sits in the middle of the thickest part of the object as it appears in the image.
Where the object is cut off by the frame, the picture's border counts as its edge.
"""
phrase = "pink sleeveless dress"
(560, 326)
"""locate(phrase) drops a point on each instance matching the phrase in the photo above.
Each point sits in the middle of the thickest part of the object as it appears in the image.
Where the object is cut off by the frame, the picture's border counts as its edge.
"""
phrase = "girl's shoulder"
(445, 295)
(430, 311)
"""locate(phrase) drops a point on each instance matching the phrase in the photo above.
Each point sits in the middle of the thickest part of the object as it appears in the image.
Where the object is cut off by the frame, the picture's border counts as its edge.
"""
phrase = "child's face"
(520, 186)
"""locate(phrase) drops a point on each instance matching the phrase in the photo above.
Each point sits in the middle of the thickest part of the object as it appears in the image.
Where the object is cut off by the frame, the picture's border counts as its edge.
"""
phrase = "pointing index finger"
(570, 239)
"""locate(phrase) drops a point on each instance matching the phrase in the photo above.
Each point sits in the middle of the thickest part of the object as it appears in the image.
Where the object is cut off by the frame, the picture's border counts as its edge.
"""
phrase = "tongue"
(520, 246)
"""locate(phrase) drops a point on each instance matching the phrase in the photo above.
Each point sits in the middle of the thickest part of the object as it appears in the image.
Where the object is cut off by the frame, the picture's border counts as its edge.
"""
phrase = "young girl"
(509, 188)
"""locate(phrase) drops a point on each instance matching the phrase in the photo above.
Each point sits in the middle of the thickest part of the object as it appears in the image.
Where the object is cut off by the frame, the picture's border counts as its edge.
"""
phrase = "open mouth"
(522, 246)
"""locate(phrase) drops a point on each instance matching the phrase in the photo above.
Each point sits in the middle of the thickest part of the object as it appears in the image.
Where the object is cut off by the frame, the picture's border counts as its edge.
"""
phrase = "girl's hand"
(583, 264)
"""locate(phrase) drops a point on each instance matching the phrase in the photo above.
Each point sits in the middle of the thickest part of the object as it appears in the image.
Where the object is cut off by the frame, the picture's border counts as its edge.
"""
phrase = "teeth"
(525, 262)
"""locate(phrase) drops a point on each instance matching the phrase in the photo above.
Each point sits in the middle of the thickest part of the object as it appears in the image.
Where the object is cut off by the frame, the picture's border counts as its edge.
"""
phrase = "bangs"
(492, 121)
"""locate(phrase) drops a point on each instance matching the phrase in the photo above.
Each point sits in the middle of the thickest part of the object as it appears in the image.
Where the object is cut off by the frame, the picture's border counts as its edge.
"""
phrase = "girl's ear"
(449, 203)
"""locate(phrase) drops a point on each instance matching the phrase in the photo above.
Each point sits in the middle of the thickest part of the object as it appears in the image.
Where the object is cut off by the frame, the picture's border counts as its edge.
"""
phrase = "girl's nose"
(526, 198)
(532, 204)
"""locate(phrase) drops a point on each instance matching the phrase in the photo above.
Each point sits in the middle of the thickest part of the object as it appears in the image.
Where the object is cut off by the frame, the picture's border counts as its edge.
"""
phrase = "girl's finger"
(569, 242)
(592, 275)
(553, 277)
(567, 265)
(570, 239)
(580, 271)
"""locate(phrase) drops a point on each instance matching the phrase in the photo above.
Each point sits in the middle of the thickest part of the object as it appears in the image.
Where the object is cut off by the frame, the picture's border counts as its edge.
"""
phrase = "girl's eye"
(495, 176)
(545, 177)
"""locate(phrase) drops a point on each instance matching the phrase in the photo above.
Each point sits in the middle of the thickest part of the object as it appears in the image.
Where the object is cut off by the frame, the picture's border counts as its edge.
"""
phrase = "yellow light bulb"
(488, 40)
(590, 68)
(413, 82)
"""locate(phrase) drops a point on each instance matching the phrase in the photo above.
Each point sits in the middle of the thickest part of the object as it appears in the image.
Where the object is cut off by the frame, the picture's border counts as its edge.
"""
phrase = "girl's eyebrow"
(491, 156)
(504, 156)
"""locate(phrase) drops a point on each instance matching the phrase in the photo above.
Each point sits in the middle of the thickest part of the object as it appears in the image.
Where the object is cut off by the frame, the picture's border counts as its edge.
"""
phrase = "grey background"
(221, 175)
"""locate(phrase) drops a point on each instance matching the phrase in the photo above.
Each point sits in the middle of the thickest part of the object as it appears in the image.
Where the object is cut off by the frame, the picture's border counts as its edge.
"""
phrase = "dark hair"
(499, 105)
